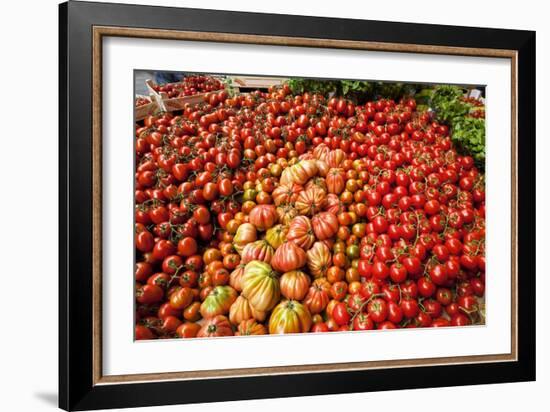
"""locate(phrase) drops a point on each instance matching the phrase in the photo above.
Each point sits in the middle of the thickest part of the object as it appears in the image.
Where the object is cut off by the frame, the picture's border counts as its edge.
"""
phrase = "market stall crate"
(172, 104)
(144, 110)
(256, 82)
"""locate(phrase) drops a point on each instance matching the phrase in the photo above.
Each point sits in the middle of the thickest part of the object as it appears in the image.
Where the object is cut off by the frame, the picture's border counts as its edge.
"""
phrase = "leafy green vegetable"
(423, 97)
(467, 133)
(229, 86)
(358, 91)
(445, 100)
(324, 87)
(348, 85)
(393, 91)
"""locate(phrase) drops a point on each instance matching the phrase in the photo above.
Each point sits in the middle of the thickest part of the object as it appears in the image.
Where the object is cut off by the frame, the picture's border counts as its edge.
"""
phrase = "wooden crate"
(175, 103)
(166, 104)
(141, 112)
(256, 82)
(178, 103)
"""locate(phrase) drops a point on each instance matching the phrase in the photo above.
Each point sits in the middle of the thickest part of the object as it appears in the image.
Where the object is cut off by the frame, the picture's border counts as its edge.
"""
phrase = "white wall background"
(28, 206)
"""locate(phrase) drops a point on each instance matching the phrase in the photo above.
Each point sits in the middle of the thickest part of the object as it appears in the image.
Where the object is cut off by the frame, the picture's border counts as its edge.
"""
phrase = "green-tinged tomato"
(290, 316)
(249, 194)
(352, 251)
(276, 236)
(260, 285)
(299, 173)
(218, 301)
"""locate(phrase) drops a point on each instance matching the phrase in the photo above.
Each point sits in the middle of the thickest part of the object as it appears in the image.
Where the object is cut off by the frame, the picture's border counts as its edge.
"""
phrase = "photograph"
(285, 205)
(259, 205)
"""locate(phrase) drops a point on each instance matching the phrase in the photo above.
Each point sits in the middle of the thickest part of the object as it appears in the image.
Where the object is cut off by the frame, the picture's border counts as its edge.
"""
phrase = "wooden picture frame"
(82, 27)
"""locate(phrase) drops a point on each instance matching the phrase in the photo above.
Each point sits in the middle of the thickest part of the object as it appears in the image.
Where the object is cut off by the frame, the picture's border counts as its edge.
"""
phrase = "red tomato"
(187, 246)
(340, 314)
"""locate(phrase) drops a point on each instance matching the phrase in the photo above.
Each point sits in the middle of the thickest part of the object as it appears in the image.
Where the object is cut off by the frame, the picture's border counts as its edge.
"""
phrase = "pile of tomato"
(270, 212)
(190, 86)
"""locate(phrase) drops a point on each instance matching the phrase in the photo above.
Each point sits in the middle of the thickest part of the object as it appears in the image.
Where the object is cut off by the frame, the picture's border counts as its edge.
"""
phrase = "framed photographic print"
(257, 205)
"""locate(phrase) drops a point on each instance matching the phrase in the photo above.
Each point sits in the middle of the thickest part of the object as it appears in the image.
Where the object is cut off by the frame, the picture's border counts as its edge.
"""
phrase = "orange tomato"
(211, 255)
(220, 277)
(354, 287)
(343, 233)
(344, 219)
(335, 274)
(205, 280)
(248, 206)
(226, 248)
(191, 312)
(339, 259)
(188, 330)
(181, 298)
(352, 275)
(232, 226)
(231, 261)
(263, 198)
(212, 267)
(346, 197)
(205, 292)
